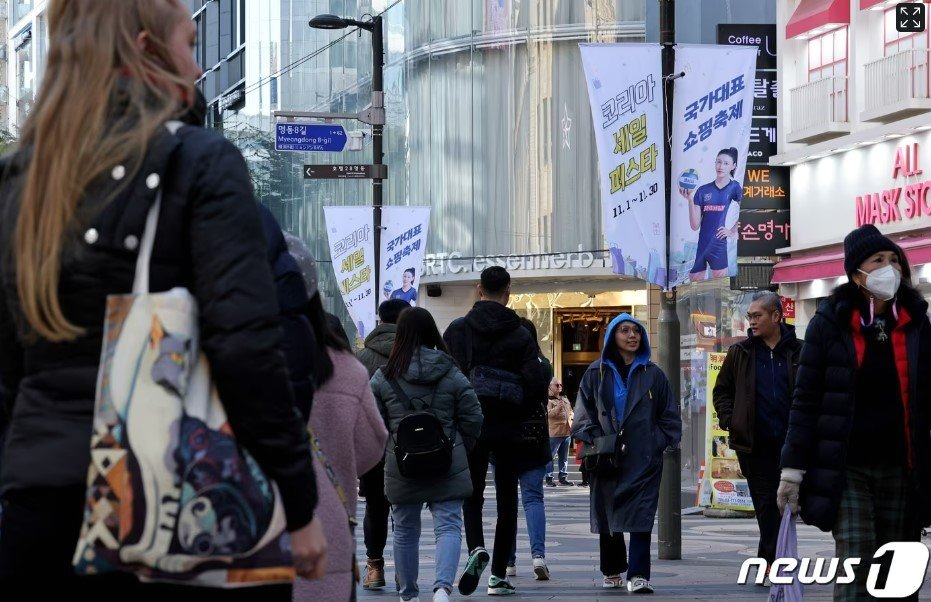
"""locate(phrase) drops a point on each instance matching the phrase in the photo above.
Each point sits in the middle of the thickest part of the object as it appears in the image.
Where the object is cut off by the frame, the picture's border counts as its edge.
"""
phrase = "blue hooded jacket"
(641, 359)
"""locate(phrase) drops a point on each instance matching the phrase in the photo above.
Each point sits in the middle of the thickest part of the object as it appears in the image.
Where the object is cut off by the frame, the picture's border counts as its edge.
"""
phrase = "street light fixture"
(373, 26)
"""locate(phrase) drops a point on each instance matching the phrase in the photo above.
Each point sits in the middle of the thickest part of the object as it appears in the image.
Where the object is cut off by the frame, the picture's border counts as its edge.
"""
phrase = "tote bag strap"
(141, 279)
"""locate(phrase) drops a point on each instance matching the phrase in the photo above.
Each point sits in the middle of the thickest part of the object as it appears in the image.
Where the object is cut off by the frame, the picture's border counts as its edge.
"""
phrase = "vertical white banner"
(626, 95)
(710, 140)
(403, 245)
(352, 249)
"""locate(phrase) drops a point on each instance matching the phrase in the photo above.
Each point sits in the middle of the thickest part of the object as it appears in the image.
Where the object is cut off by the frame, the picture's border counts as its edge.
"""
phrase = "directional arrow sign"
(310, 137)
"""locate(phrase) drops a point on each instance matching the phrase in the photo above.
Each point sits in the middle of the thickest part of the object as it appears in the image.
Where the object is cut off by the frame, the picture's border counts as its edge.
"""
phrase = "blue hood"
(641, 359)
(643, 354)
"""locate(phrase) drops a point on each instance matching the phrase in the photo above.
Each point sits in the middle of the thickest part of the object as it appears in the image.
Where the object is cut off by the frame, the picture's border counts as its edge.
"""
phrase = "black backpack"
(422, 449)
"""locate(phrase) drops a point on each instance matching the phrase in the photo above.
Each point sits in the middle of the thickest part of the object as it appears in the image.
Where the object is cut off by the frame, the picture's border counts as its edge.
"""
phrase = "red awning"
(812, 14)
(830, 264)
(865, 4)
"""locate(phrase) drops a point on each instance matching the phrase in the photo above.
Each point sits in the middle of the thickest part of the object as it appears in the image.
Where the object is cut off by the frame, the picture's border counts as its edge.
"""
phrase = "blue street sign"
(311, 137)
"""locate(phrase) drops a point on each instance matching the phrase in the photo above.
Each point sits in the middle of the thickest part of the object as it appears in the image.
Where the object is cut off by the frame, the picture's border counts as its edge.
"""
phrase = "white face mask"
(884, 282)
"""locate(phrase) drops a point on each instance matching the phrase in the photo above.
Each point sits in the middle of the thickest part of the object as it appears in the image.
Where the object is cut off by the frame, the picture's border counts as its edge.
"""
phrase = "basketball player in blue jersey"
(708, 213)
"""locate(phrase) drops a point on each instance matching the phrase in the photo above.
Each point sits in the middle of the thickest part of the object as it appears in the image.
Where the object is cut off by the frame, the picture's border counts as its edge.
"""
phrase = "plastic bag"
(787, 547)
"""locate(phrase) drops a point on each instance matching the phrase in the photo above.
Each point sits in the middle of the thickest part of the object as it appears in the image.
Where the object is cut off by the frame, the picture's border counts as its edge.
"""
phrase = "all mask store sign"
(906, 201)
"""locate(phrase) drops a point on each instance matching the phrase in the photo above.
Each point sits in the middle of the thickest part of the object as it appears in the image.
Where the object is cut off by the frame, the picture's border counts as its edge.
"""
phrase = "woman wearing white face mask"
(856, 458)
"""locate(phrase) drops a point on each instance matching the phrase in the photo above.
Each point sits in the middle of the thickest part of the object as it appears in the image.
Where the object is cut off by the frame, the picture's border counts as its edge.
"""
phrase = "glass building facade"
(488, 119)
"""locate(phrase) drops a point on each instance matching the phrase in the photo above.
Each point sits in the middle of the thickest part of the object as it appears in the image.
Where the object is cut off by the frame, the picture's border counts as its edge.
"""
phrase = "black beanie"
(863, 242)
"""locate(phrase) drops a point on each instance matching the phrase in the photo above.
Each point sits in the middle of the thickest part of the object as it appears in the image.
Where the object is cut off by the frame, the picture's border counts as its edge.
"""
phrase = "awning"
(865, 4)
(815, 14)
(830, 264)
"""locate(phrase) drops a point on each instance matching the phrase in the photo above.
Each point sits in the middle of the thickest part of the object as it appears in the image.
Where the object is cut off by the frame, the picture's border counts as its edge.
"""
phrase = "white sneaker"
(613, 582)
(511, 571)
(639, 585)
(540, 571)
(441, 595)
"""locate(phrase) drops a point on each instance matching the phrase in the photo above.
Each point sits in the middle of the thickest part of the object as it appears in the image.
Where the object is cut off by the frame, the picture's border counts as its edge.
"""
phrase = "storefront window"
(712, 318)
(827, 55)
(19, 9)
(25, 83)
(896, 41)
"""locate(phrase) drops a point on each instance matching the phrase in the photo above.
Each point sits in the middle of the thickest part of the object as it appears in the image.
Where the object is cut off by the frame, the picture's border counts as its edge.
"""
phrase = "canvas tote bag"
(171, 496)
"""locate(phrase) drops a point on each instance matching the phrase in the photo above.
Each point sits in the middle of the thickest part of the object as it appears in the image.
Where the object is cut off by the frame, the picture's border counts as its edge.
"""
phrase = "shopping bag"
(787, 547)
(171, 496)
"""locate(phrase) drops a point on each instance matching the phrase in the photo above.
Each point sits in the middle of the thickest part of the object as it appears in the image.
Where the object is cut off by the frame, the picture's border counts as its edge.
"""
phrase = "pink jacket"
(352, 434)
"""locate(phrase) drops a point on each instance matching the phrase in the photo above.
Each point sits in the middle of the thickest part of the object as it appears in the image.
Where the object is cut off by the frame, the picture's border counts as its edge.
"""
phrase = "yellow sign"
(729, 488)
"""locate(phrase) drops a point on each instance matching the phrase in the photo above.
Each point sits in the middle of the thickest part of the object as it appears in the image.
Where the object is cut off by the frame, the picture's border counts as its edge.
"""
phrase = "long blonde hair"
(76, 133)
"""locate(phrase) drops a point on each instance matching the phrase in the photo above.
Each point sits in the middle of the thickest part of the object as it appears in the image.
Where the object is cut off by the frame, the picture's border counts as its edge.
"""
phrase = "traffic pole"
(670, 497)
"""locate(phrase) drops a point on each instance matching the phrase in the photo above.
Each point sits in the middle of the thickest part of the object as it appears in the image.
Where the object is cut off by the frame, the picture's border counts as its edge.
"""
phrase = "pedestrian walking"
(856, 457)
(430, 408)
(94, 155)
(752, 397)
(627, 416)
(502, 359)
(374, 355)
(531, 467)
(348, 438)
(560, 414)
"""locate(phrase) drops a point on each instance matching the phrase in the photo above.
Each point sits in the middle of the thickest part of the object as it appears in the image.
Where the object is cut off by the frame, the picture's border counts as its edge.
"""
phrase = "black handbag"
(603, 454)
(490, 383)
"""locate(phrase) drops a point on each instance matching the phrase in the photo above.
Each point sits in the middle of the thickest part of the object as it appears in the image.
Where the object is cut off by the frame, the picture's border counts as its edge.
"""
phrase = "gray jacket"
(377, 347)
(434, 378)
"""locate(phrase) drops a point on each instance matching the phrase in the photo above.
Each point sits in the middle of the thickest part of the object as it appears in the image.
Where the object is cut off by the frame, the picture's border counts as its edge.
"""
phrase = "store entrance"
(579, 339)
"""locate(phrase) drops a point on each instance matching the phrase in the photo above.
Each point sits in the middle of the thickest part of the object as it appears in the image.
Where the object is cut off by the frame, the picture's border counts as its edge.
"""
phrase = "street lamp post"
(377, 121)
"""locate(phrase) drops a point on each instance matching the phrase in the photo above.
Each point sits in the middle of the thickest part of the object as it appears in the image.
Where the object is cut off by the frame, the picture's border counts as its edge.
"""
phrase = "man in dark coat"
(373, 356)
(752, 397)
(491, 335)
(297, 340)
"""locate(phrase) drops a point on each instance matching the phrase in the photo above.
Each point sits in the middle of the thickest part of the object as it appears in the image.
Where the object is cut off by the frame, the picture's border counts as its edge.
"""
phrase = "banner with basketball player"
(712, 112)
(403, 245)
(625, 92)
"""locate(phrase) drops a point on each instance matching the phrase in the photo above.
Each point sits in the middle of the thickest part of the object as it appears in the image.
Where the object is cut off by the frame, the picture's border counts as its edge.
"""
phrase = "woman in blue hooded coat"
(624, 393)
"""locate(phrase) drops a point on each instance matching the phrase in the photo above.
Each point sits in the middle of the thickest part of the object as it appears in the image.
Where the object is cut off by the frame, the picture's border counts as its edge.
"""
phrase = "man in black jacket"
(491, 335)
(752, 397)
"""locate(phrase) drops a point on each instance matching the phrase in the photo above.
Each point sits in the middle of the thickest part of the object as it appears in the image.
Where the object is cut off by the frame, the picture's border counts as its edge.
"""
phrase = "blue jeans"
(531, 495)
(447, 529)
(560, 445)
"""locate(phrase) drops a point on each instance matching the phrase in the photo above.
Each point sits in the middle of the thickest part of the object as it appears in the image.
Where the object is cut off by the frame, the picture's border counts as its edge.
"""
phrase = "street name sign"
(310, 137)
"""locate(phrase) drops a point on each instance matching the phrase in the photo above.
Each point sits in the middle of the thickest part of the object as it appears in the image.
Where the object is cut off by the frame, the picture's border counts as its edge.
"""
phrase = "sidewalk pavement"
(712, 553)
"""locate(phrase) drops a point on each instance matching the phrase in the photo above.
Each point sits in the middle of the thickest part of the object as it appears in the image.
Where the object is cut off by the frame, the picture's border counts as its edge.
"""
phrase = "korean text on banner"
(403, 245)
(712, 113)
(729, 488)
(352, 249)
(626, 95)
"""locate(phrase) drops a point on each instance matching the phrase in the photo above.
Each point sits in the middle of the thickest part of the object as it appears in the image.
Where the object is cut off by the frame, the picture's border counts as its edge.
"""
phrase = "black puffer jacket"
(499, 340)
(822, 410)
(298, 341)
(209, 240)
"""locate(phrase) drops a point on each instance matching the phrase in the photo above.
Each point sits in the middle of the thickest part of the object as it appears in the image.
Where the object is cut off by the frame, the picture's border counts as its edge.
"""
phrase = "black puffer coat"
(210, 240)
(298, 341)
(499, 340)
(823, 405)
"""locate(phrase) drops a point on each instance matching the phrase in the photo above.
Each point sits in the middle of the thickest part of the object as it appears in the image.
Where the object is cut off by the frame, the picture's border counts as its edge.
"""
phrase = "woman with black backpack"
(429, 407)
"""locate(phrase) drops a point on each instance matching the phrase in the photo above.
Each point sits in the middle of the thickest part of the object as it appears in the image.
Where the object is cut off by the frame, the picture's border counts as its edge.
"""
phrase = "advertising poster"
(352, 249)
(710, 141)
(403, 245)
(626, 96)
(729, 489)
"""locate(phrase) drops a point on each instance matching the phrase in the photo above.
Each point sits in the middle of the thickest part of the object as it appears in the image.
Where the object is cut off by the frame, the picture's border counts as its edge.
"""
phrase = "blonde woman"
(93, 156)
